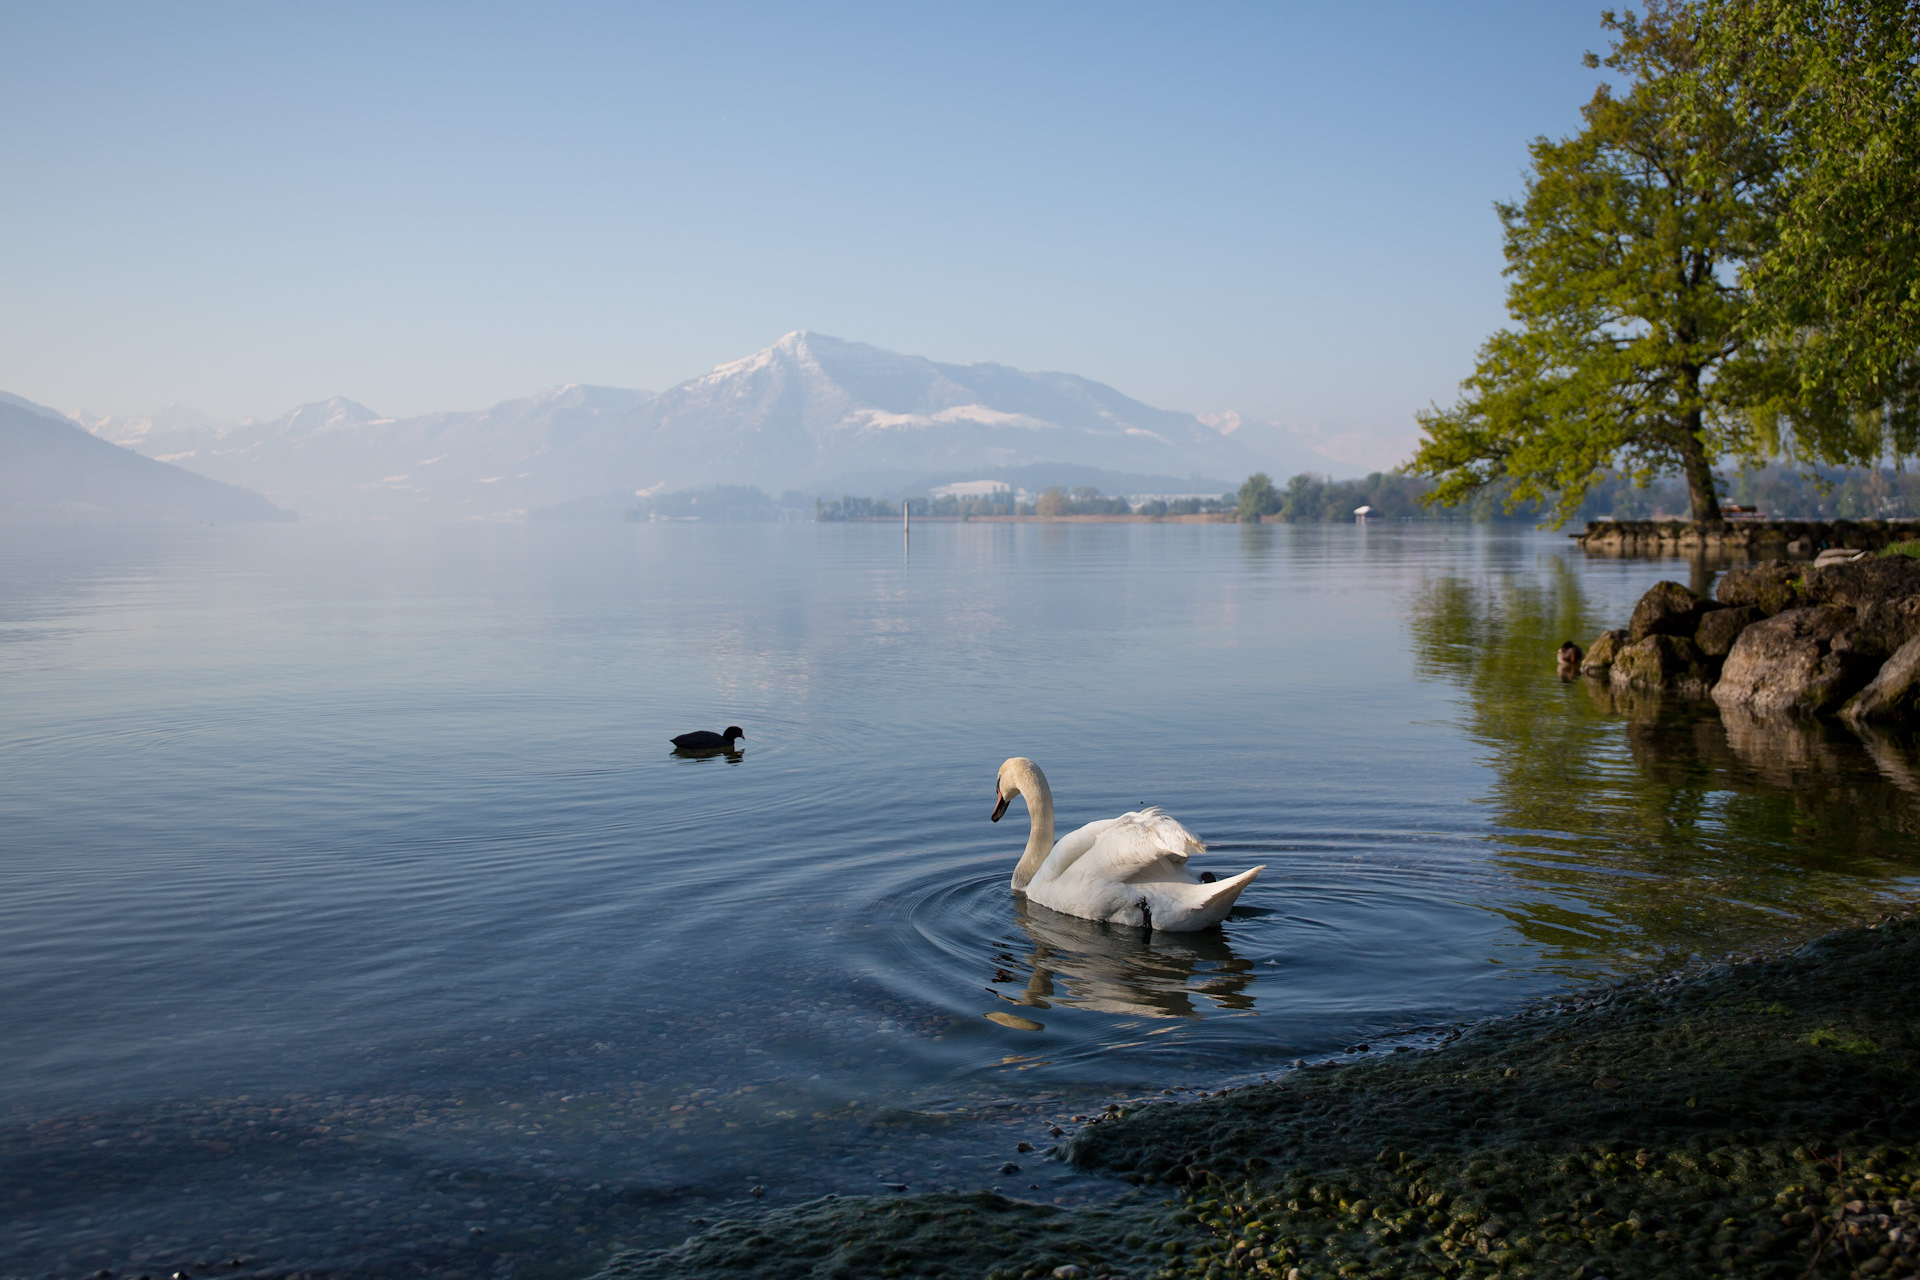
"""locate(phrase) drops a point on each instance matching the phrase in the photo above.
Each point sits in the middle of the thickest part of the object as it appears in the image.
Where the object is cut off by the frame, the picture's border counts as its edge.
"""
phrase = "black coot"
(702, 740)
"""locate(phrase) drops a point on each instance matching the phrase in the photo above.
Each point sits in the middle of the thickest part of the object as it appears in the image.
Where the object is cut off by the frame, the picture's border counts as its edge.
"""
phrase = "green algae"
(1758, 1120)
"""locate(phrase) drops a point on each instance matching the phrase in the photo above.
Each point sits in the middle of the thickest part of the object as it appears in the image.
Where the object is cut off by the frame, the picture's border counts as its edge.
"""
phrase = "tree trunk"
(1703, 500)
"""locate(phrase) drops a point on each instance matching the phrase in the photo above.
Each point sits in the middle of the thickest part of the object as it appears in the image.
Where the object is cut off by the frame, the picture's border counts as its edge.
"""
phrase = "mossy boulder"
(1667, 663)
(1668, 609)
(1772, 586)
(1600, 653)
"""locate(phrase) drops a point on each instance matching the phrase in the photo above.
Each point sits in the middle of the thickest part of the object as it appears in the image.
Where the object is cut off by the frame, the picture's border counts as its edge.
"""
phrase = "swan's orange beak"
(1001, 807)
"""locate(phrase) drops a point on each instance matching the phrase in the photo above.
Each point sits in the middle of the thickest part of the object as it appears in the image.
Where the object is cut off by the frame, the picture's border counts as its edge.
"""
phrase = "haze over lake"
(355, 913)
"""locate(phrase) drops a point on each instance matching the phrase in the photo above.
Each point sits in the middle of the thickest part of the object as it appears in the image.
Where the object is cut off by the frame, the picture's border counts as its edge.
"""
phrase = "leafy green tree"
(1629, 349)
(1831, 84)
(1258, 497)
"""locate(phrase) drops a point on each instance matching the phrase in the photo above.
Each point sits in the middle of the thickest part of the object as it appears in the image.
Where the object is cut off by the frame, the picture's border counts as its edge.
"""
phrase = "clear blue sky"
(1272, 208)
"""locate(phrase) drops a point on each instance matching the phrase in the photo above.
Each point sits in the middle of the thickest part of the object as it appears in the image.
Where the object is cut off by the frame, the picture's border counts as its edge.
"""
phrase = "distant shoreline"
(1223, 517)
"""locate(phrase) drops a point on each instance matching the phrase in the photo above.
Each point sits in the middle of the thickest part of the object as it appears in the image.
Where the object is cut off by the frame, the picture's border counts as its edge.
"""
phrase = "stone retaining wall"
(1754, 539)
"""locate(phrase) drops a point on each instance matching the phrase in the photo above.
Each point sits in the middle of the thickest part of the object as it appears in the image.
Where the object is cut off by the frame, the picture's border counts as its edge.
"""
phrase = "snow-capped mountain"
(800, 414)
(812, 408)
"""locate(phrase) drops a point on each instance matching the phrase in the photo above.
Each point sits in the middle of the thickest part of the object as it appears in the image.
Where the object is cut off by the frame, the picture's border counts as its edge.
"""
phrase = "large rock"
(1770, 586)
(1601, 652)
(1894, 693)
(1790, 663)
(1862, 582)
(1883, 626)
(1720, 628)
(1669, 609)
(1670, 664)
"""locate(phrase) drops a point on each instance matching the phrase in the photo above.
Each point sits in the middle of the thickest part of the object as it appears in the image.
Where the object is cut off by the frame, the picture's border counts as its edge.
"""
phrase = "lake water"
(355, 916)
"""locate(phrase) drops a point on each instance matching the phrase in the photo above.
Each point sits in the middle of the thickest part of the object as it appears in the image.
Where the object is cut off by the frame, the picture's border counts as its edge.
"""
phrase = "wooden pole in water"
(906, 518)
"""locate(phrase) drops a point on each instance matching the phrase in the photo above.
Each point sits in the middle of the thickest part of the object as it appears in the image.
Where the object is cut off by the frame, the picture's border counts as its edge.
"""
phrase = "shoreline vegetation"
(1777, 493)
(1758, 1118)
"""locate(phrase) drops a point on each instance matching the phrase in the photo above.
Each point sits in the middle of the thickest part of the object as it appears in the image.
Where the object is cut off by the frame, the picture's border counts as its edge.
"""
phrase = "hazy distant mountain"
(52, 469)
(339, 459)
(808, 413)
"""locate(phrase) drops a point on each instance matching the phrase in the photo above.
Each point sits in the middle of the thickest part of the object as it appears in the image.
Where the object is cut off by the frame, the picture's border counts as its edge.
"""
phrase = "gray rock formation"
(1894, 693)
(1791, 663)
(1720, 628)
(1783, 638)
(1669, 609)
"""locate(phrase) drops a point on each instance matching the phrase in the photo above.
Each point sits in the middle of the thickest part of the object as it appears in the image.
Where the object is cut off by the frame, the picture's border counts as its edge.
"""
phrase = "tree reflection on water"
(1641, 830)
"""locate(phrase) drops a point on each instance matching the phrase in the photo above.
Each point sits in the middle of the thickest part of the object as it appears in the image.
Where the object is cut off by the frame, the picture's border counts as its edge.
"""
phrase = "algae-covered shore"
(1759, 1119)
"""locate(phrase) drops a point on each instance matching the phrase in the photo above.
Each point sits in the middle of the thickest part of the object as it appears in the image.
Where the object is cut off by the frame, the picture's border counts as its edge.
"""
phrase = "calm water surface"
(355, 917)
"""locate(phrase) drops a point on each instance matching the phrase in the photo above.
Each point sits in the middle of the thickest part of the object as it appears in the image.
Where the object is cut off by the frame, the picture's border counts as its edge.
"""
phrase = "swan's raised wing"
(1136, 845)
(1069, 847)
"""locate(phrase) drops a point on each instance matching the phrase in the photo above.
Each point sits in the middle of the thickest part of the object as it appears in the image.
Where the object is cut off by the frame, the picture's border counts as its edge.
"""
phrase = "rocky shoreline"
(1779, 637)
(1757, 1119)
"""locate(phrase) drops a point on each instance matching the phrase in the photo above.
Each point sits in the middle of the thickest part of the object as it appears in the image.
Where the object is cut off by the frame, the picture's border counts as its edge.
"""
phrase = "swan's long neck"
(1039, 797)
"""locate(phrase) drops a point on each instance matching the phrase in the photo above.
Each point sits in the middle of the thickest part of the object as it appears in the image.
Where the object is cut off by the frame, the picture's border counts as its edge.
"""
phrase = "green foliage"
(1258, 498)
(1187, 506)
(1082, 500)
(1831, 86)
(1628, 351)
(1725, 260)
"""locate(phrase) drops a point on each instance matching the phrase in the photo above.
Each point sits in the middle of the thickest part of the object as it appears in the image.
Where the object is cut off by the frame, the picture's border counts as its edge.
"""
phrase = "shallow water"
(356, 917)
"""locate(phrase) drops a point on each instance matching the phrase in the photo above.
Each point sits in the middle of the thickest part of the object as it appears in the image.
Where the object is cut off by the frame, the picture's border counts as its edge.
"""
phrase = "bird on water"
(705, 740)
(1126, 870)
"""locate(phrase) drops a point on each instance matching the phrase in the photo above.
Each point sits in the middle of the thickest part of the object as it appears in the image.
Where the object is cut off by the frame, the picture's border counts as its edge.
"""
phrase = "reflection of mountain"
(1120, 970)
(1649, 827)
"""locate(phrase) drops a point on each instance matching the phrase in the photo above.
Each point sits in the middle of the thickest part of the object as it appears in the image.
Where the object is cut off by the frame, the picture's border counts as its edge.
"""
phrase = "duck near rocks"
(1128, 870)
(705, 740)
(1567, 661)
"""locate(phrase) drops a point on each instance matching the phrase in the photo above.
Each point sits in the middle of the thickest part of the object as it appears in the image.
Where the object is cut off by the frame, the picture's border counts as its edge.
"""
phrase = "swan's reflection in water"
(1086, 964)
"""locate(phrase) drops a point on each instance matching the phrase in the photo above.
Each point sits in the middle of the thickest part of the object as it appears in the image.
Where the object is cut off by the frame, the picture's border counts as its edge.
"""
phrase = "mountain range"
(50, 469)
(809, 413)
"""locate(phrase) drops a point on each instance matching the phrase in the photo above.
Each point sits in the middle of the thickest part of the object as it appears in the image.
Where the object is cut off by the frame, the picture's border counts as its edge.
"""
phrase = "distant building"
(971, 489)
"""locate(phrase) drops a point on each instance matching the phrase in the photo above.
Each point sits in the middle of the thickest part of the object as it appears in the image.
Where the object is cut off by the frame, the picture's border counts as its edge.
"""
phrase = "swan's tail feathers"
(1201, 906)
(1223, 893)
(1139, 844)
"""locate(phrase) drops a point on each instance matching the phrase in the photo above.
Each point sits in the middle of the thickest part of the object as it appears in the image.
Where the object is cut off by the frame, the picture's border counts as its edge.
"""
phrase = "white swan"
(1126, 870)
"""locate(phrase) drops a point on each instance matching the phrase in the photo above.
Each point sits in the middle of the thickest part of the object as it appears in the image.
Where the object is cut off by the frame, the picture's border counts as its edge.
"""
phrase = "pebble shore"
(1758, 1119)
